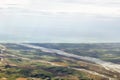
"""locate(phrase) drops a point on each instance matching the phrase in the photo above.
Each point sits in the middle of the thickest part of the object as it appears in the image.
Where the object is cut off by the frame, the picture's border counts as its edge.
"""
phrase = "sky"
(60, 21)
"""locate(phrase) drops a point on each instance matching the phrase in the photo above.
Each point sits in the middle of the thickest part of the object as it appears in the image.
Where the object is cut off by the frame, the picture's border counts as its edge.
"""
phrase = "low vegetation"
(22, 63)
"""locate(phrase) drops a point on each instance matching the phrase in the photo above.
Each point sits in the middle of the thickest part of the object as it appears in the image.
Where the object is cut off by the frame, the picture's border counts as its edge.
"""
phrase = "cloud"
(90, 1)
(60, 20)
(54, 7)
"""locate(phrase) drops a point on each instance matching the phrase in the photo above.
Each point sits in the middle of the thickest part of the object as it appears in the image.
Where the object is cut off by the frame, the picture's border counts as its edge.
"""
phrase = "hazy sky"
(60, 20)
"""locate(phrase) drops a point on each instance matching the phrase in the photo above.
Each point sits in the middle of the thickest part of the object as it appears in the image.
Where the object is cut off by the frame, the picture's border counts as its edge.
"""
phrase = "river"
(107, 65)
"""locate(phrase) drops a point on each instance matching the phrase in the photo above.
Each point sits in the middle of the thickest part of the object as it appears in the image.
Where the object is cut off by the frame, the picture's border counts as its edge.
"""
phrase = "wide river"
(107, 65)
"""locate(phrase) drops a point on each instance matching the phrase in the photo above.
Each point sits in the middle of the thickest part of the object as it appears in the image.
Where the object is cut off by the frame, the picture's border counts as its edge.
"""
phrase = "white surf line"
(107, 65)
